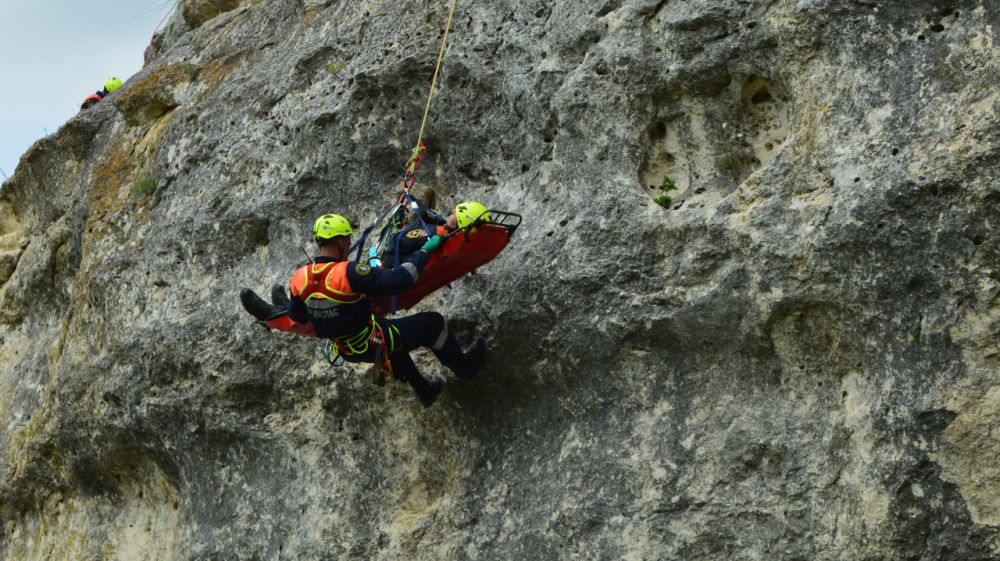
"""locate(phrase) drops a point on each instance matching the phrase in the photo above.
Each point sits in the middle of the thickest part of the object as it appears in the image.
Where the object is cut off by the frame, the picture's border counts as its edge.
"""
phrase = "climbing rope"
(173, 8)
(405, 200)
(147, 56)
(417, 154)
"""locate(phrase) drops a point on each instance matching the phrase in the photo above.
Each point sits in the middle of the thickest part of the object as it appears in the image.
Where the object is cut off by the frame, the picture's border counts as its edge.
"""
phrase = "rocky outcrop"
(197, 12)
(753, 311)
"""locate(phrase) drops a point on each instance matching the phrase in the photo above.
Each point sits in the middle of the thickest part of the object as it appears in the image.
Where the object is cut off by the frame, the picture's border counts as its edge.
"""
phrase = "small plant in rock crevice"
(666, 186)
(735, 161)
(190, 69)
(144, 187)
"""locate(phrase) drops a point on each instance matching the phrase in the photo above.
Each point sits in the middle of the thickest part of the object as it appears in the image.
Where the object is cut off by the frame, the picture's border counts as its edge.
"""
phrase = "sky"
(54, 53)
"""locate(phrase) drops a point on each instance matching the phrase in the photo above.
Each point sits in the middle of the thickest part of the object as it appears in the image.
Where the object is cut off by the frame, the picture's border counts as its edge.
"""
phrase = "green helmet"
(331, 226)
(112, 84)
(468, 212)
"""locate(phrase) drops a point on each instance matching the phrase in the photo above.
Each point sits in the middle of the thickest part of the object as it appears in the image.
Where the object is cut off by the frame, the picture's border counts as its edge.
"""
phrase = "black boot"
(429, 393)
(256, 305)
(278, 296)
(473, 359)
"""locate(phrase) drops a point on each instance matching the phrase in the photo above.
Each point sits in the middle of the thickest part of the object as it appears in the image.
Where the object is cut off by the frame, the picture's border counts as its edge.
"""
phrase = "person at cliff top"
(110, 85)
(413, 236)
(331, 293)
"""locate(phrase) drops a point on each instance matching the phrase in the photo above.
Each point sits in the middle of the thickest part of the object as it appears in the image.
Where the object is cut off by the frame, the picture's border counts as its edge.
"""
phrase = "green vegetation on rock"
(666, 186)
(144, 187)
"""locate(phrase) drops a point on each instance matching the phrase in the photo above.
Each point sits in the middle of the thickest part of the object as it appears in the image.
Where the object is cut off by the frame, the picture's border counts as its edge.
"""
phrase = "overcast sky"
(54, 53)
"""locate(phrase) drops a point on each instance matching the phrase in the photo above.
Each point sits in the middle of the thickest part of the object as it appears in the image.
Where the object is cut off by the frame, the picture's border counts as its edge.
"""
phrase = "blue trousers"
(425, 329)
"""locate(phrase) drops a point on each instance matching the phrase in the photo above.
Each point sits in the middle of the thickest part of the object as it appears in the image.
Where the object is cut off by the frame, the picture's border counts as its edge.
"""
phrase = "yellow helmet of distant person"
(331, 226)
(112, 84)
(469, 212)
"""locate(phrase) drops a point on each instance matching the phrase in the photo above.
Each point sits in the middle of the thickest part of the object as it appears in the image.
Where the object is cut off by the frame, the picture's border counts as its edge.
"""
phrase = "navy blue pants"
(426, 329)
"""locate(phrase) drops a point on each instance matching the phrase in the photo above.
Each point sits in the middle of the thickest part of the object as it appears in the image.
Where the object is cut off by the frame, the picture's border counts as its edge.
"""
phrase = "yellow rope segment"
(437, 69)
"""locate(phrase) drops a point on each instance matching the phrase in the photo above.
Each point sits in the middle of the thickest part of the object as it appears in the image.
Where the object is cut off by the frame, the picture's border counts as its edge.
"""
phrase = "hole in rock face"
(763, 96)
(563, 223)
(916, 284)
(726, 132)
(751, 25)
(659, 131)
(895, 151)
(921, 37)
(764, 120)
(937, 28)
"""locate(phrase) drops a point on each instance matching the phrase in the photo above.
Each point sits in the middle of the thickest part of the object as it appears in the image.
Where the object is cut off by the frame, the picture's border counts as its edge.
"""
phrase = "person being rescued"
(412, 237)
(331, 294)
(110, 85)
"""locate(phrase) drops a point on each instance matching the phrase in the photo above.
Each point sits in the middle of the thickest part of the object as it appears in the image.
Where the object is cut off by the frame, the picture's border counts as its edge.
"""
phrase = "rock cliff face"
(795, 357)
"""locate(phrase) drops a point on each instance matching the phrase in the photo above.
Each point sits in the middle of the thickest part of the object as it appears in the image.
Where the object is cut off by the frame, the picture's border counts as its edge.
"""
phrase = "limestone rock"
(156, 93)
(197, 12)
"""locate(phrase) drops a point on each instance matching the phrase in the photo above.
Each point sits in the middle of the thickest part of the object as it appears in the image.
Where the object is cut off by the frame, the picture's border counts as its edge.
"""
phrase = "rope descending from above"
(405, 200)
(417, 154)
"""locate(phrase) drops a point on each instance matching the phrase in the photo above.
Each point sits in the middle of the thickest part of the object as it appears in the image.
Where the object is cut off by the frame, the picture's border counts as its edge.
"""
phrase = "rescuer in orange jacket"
(332, 292)
(91, 100)
(110, 85)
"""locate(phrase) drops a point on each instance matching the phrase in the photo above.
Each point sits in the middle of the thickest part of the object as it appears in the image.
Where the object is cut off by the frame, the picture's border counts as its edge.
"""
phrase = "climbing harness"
(382, 349)
(332, 354)
(380, 340)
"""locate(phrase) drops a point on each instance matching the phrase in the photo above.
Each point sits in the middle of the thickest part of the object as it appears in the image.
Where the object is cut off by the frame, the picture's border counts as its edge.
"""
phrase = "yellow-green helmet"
(112, 84)
(331, 226)
(470, 211)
